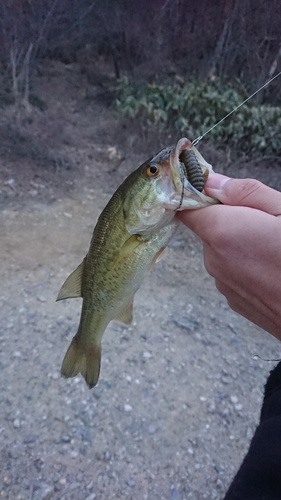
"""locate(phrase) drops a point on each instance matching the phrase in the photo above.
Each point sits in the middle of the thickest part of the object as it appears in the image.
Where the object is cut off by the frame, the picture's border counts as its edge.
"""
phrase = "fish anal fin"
(72, 286)
(129, 246)
(126, 315)
(157, 257)
(82, 360)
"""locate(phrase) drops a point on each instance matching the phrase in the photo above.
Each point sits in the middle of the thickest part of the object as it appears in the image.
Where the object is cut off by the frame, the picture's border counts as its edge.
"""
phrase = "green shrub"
(193, 106)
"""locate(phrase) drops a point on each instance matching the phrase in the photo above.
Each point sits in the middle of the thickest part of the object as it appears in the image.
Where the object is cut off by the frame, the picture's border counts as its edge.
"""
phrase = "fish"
(130, 236)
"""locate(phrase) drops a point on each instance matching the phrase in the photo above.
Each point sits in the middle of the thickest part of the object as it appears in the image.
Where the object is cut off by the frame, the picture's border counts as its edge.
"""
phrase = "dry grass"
(27, 132)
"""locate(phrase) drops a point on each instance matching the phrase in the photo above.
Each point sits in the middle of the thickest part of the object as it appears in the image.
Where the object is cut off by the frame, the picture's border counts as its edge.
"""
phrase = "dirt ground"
(180, 390)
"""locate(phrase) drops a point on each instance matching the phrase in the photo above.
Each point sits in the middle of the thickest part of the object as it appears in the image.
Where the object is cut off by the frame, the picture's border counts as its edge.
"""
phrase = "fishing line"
(183, 174)
(195, 142)
(256, 356)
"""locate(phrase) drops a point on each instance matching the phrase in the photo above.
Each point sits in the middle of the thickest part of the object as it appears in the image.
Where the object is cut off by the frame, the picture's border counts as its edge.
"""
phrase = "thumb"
(244, 193)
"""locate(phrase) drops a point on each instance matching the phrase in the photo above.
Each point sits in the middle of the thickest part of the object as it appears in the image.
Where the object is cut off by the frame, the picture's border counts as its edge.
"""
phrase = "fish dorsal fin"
(72, 286)
(129, 246)
(126, 315)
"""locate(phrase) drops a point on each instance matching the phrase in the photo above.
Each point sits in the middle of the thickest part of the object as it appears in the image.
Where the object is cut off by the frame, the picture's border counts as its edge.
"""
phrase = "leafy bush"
(194, 106)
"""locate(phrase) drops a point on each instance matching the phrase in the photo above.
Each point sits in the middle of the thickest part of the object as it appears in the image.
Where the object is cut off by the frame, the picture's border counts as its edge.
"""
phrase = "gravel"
(180, 390)
(175, 407)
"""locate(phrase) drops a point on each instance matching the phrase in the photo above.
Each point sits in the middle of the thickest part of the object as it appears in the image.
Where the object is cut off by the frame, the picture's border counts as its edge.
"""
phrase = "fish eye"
(152, 170)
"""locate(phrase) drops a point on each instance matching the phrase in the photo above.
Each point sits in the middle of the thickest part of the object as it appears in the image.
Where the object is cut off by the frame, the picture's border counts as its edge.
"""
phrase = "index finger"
(201, 220)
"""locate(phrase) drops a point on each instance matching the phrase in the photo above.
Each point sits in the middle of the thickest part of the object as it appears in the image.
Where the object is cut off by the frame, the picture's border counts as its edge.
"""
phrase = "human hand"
(242, 246)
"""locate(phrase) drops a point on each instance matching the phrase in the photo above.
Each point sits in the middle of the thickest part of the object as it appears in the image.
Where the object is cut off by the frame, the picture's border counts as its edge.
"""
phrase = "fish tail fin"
(84, 360)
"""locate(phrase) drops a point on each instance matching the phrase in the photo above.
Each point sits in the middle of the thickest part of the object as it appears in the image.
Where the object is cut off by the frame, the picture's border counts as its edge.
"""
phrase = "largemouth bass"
(131, 234)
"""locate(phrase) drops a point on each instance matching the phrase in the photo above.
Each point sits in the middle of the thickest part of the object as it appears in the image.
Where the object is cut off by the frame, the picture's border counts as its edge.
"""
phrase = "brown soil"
(179, 392)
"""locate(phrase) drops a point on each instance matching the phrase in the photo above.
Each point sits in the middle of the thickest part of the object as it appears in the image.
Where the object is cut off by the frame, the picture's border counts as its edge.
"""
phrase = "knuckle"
(230, 296)
(221, 287)
(246, 188)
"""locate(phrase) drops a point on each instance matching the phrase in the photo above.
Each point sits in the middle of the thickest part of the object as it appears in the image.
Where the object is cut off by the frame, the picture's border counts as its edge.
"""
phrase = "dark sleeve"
(259, 477)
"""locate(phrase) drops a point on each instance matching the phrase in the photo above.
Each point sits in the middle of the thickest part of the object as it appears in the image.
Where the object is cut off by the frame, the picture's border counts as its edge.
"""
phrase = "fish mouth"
(175, 163)
(189, 172)
(177, 189)
(182, 144)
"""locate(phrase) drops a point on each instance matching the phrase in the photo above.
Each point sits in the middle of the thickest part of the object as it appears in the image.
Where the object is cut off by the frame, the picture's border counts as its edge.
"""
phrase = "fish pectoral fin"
(157, 257)
(126, 315)
(129, 246)
(72, 286)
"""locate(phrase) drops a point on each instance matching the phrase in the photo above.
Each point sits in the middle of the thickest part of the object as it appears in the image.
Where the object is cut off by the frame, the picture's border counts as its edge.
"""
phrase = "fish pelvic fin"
(84, 360)
(157, 257)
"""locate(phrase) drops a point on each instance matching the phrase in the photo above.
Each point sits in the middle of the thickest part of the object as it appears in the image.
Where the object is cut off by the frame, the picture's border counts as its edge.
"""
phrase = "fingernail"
(215, 183)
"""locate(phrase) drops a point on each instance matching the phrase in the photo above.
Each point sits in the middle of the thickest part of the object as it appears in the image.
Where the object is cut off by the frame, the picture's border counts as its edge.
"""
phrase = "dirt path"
(179, 393)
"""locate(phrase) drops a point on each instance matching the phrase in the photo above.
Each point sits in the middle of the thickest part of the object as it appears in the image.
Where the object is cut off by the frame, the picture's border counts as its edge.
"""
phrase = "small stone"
(128, 378)
(174, 493)
(231, 327)
(65, 439)
(30, 439)
(55, 376)
(66, 214)
(130, 483)
(152, 428)
(249, 433)
(147, 355)
(189, 323)
(176, 244)
(26, 483)
(113, 153)
(234, 399)
(211, 407)
(74, 454)
(10, 182)
(127, 408)
(219, 484)
(17, 354)
(91, 497)
(219, 468)
(42, 491)
(16, 423)
(238, 407)
(41, 298)
(74, 485)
